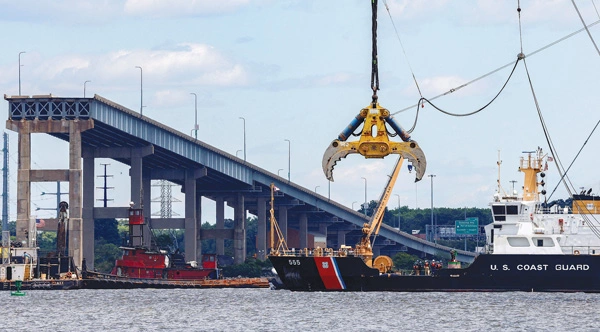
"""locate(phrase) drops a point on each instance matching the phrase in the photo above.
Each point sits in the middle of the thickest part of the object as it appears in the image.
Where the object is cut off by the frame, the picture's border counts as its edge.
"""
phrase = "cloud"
(181, 8)
(485, 12)
(64, 12)
(186, 64)
(69, 12)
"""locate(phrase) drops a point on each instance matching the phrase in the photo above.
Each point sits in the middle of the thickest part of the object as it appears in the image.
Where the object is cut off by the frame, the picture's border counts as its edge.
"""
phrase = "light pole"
(365, 206)
(398, 210)
(316, 189)
(289, 156)
(196, 115)
(241, 117)
(353, 204)
(279, 170)
(84, 83)
(236, 153)
(432, 228)
(141, 90)
(20, 72)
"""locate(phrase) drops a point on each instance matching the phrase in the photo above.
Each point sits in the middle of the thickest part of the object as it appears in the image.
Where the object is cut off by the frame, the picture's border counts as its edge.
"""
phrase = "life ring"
(576, 252)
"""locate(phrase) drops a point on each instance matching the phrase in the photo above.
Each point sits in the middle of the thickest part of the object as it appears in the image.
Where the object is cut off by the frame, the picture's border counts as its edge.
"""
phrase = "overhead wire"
(500, 68)
(423, 99)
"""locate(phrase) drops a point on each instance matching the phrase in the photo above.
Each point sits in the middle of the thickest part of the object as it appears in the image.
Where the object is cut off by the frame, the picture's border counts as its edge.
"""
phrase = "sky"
(299, 70)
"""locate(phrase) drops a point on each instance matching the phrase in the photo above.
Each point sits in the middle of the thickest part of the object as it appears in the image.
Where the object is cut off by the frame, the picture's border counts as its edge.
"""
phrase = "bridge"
(99, 128)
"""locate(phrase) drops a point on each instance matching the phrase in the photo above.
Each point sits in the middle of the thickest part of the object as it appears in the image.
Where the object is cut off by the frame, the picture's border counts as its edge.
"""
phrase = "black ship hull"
(488, 273)
(51, 284)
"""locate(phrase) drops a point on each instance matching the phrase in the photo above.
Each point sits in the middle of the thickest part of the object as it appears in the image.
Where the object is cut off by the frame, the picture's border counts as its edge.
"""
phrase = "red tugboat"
(144, 263)
(142, 267)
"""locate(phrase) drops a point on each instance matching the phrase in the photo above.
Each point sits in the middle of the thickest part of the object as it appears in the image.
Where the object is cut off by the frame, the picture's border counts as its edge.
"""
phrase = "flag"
(40, 223)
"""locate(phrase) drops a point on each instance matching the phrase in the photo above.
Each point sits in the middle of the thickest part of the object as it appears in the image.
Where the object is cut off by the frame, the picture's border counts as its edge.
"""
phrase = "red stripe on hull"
(329, 274)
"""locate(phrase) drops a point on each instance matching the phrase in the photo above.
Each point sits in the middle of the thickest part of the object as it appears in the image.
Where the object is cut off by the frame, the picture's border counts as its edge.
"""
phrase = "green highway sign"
(470, 226)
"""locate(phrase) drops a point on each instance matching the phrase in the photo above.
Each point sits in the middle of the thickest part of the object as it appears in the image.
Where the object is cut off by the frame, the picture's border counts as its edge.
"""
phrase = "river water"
(279, 310)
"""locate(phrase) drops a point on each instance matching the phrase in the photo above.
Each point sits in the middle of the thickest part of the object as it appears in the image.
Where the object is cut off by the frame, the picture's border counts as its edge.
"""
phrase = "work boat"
(530, 246)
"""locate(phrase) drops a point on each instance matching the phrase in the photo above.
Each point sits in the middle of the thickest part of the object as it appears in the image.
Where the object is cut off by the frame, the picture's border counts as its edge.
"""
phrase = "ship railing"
(541, 209)
(314, 252)
(581, 250)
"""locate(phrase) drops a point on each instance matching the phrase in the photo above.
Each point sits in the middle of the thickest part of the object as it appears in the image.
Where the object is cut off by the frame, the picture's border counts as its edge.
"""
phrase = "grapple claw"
(374, 141)
(413, 153)
(336, 151)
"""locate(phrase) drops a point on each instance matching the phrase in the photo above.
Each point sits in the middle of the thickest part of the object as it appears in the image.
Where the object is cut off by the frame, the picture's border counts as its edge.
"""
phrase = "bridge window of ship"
(543, 242)
(512, 209)
(518, 241)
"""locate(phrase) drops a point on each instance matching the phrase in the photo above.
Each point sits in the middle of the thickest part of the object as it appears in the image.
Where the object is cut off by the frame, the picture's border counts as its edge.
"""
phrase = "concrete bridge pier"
(261, 236)
(283, 221)
(73, 175)
(303, 230)
(220, 215)
(239, 230)
(87, 211)
(193, 213)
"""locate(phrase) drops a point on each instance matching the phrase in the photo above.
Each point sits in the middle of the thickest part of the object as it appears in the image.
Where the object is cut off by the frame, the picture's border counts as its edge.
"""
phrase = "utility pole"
(432, 227)
(5, 232)
(58, 193)
(105, 187)
(5, 187)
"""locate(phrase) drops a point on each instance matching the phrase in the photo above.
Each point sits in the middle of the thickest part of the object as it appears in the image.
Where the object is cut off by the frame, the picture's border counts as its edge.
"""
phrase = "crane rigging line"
(500, 68)
(402, 46)
(586, 29)
(576, 156)
(559, 166)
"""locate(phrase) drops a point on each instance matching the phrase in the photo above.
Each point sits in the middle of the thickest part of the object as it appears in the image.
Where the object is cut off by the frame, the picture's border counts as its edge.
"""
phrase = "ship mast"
(530, 168)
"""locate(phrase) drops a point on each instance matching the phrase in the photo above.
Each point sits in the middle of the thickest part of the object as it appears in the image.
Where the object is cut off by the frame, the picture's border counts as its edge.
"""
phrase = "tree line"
(109, 234)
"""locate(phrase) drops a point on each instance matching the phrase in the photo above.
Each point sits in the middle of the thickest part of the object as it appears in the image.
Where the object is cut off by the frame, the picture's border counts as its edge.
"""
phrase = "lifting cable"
(374, 64)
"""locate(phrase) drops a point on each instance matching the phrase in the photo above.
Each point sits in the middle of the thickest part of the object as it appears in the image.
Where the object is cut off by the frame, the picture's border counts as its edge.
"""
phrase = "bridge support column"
(135, 173)
(239, 231)
(199, 228)
(87, 212)
(192, 230)
(147, 210)
(341, 237)
(283, 221)
(323, 232)
(303, 230)
(220, 214)
(376, 251)
(23, 184)
(261, 236)
(75, 199)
